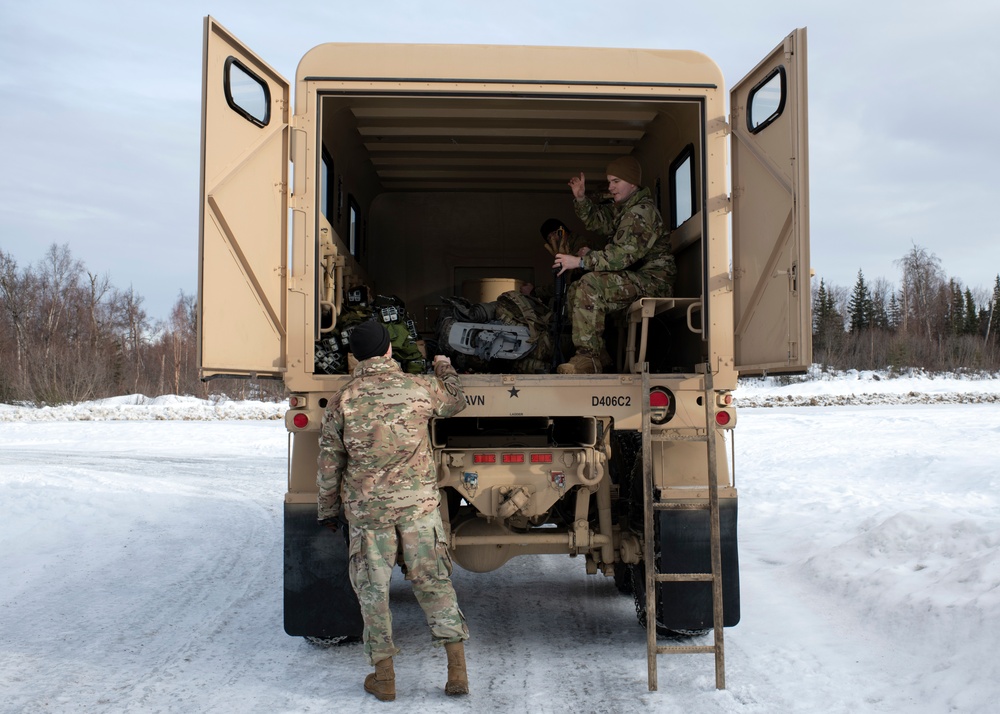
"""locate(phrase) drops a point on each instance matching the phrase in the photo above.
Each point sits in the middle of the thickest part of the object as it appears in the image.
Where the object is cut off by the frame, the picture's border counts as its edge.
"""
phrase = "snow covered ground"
(140, 545)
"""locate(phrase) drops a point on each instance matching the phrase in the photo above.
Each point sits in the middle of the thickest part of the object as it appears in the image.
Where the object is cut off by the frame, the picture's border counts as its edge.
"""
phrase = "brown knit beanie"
(627, 169)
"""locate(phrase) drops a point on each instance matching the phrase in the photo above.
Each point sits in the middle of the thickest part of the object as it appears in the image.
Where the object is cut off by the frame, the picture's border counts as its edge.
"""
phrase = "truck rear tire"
(624, 577)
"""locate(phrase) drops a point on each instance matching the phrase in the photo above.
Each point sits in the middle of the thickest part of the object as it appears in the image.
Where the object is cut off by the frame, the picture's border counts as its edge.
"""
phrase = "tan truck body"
(423, 171)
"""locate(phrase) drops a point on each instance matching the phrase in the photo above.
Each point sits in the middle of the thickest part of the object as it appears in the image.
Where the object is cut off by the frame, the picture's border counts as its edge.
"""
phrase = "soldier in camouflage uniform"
(376, 471)
(635, 263)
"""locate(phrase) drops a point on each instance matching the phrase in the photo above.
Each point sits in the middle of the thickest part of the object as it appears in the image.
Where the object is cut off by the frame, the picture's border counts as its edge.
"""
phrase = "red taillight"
(293, 402)
(541, 458)
(722, 418)
(300, 420)
(513, 458)
(658, 399)
(484, 458)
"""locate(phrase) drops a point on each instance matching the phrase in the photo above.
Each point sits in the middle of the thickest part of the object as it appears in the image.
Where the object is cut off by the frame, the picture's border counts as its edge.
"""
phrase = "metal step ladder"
(652, 505)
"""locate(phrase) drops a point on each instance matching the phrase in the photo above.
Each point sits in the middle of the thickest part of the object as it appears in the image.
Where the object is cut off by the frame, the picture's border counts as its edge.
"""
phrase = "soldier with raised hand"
(635, 263)
(376, 473)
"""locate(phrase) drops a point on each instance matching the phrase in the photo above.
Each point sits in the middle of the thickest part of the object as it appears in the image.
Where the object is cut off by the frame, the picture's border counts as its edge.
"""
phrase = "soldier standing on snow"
(635, 263)
(375, 470)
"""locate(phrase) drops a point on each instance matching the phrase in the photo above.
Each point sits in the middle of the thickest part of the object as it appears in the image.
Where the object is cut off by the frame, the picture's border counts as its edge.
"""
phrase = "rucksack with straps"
(515, 308)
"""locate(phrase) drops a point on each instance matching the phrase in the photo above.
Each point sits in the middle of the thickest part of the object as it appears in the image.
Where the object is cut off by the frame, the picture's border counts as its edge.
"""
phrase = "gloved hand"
(335, 523)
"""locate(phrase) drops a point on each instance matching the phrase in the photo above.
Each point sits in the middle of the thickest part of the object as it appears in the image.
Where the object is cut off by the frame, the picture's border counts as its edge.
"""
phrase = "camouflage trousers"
(596, 294)
(427, 567)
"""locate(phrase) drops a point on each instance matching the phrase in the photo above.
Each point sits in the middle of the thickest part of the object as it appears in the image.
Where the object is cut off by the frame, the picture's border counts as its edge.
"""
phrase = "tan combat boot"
(581, 363)
(458, 678)
(382, 682)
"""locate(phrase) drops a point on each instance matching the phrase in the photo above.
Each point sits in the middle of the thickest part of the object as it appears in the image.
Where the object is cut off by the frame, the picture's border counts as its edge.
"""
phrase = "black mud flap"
(319, 600)
(685, 548)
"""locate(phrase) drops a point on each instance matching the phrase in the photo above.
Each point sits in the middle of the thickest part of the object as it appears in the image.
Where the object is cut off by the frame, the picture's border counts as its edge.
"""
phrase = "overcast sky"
(100, 114)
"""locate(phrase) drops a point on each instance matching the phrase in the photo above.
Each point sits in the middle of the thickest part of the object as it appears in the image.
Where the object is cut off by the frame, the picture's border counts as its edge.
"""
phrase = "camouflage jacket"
(374, 448)
(638, 240)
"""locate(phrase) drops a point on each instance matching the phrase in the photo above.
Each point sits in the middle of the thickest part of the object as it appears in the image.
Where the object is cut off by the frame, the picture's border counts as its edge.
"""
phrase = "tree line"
(68, 335)
(929, 322)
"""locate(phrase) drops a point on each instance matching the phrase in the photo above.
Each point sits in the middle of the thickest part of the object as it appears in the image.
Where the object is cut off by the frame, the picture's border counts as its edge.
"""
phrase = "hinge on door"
(281, 186)
(718, 126)
(720, 203)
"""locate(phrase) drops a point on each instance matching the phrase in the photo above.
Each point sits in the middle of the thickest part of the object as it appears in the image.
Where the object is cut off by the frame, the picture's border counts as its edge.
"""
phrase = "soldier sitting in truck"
(635, 263)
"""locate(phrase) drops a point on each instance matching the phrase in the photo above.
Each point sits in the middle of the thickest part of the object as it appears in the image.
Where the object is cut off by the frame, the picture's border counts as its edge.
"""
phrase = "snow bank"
(137, 407)
(821, 388)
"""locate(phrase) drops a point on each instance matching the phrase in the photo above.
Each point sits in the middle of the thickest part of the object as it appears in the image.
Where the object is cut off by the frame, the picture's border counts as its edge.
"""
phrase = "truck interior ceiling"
(432, 196)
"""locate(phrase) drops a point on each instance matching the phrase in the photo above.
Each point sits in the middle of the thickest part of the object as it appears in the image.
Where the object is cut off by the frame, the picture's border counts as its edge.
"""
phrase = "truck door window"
(327, 197)
(766, 100)
(355, 227)
(682, 187)
(246, 93)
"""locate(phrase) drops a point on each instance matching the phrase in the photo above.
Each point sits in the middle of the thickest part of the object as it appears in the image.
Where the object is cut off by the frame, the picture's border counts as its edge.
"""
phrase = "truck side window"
(682, 192)
(766, 100)
(246, 93)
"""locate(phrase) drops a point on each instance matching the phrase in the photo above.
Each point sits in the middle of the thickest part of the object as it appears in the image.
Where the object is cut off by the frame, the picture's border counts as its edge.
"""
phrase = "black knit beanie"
(369, 339)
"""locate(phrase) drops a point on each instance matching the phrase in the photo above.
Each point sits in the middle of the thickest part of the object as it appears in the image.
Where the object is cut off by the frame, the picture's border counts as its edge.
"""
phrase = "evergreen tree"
(894, 313)
(881, 291)
(818, 307)
(827, 321)
(860, 306)
(971, 315)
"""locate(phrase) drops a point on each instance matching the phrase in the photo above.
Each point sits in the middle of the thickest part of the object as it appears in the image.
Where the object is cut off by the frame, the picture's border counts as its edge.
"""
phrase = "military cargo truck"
(421, 173)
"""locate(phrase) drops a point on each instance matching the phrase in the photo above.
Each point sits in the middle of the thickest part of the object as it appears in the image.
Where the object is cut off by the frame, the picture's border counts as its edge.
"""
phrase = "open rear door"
(244, 211)
(770, 165)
